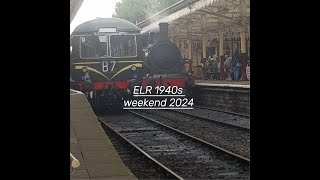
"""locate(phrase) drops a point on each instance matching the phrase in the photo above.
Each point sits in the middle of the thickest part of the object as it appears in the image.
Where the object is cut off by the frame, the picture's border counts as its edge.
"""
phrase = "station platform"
(91, 146)
(223, 83)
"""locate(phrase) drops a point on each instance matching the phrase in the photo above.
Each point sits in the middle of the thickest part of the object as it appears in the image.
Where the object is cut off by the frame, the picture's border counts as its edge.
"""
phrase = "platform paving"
(91, 146)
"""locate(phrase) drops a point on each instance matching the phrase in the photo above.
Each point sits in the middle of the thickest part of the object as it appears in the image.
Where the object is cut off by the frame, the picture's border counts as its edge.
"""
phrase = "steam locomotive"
(109, 56)
(163, 60)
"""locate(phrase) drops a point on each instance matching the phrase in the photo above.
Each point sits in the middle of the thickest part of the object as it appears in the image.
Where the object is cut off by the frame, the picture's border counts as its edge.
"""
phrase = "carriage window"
(123, 45)
(93, 46)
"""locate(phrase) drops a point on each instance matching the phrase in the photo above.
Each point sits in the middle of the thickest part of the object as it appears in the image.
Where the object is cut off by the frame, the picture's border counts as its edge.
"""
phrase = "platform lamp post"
(203, 38)
(190, 45)
(221, 50)
(243, 40)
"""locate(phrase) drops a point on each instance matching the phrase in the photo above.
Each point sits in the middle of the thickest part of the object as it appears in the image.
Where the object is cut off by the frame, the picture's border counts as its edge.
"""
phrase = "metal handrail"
(74, 163)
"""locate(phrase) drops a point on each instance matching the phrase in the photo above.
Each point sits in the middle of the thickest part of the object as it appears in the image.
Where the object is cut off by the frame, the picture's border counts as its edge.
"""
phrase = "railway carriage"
(105, 55)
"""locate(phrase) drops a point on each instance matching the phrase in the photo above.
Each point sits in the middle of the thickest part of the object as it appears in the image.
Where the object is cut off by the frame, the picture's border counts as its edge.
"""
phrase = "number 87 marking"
(105, 66)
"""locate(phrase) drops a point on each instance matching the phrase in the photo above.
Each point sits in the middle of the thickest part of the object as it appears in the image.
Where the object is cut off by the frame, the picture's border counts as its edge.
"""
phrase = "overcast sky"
(91, 9)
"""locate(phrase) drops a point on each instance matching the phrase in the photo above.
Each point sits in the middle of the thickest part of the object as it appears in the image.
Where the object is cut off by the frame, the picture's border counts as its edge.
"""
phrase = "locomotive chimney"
(163, 31)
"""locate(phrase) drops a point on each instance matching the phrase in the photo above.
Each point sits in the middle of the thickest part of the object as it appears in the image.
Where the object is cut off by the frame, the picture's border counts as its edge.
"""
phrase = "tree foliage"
(139, 10)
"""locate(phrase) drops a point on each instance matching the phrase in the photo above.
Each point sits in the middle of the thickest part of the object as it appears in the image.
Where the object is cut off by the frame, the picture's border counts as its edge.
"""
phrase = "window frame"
(136, 44)
(107, 49)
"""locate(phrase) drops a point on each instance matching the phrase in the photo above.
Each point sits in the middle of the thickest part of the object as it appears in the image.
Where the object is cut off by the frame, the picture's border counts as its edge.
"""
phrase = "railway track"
(212, 120)
(187, 156)
(140, 163)
(228, 112)
(231, 138)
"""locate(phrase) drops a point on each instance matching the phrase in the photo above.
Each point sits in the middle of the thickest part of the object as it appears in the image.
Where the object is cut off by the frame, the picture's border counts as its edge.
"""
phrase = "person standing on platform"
(248, 68)
(211, 68)
(204, 69)
(218, 69)
(228, 67)
(215, 67)
(236, 64)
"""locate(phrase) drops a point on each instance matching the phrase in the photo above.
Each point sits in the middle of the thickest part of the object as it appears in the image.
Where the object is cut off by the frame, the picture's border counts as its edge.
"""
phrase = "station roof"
(74, 7)
(202, 17)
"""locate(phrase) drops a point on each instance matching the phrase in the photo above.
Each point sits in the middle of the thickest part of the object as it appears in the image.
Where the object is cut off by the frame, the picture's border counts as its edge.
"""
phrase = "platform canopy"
(74, 7)
(200, 17)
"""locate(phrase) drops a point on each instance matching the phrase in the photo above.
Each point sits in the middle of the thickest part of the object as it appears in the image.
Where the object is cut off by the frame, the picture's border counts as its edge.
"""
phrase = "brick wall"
(224, 98)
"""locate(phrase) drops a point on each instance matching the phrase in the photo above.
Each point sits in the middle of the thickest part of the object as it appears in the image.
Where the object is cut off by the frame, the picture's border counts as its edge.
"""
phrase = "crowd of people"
(232, 67)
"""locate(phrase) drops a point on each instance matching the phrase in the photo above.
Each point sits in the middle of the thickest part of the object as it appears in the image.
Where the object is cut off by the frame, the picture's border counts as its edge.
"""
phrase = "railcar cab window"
(123, 45)
(93, 46)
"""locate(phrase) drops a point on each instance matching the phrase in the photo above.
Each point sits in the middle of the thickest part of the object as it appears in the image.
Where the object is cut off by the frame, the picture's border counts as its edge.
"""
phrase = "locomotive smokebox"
(163, 31)
(151, 38)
